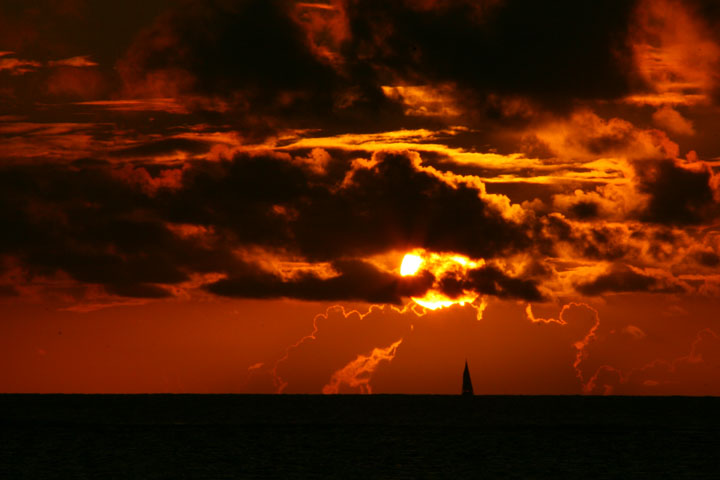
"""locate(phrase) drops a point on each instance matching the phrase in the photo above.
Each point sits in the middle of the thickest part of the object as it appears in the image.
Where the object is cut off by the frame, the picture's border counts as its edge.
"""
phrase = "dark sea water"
(382, 436)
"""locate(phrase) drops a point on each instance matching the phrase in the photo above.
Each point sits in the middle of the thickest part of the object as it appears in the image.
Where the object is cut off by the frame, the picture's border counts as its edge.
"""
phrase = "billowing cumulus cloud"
(115, 226)
(351, 280)
(276, 225)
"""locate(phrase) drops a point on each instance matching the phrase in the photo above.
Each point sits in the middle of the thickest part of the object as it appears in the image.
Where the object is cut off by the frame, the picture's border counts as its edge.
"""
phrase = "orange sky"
(356, 196)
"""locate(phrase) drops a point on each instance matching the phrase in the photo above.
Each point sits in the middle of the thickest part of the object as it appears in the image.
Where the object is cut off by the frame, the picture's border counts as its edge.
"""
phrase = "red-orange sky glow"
(355, 196)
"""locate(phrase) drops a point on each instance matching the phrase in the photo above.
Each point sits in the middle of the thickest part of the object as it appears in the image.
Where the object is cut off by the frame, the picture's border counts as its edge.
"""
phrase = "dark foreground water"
(384, 436)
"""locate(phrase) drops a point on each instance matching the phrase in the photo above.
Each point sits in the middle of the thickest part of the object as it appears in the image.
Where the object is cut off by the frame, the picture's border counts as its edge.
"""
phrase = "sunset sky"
(355, 196)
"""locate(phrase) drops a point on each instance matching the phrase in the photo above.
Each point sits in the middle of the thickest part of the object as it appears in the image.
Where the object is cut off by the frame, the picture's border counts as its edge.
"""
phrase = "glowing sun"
(410, 265)
(439, 264)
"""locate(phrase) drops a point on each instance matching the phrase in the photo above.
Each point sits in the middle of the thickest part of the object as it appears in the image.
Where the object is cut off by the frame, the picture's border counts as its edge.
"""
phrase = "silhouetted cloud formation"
(103, 225)
(552, 52)
(678, 195)
(620, 278)
(272, 61)
(251, 57)
(264, 148)
(357, 280)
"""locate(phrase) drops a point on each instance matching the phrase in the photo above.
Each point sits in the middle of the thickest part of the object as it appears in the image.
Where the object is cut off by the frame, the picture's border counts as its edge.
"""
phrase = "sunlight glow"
(440, 264)
(410, 265)
(436, 300)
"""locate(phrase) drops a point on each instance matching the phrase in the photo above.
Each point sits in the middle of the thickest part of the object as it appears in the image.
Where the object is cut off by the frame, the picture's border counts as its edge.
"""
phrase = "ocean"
(352, 436)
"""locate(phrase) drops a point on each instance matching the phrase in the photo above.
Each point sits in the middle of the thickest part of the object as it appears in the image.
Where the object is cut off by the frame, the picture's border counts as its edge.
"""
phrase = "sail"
(467, 388)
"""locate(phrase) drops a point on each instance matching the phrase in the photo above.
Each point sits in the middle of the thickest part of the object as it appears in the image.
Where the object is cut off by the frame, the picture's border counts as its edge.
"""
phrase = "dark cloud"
(57, 29)
(101, 228)
(551, 52)
(584, 210)
(678, 195)
(490, 280)
(595, 241)
(356, 280)
(240, 198)
(396, 204)
(230, 47)
(260, 61)
(103, 224)
(98, 229)
(708, 258)
(270, 201)
(620, 278)
(256, 57)
(53, 33)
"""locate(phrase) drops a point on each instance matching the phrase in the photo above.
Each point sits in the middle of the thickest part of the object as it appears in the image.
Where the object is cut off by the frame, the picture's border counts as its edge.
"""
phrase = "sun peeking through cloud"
(441, 266)
(410, 265)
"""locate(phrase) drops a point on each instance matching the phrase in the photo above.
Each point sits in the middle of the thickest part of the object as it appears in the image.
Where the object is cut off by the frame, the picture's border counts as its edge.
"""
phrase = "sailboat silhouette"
(467, 388)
